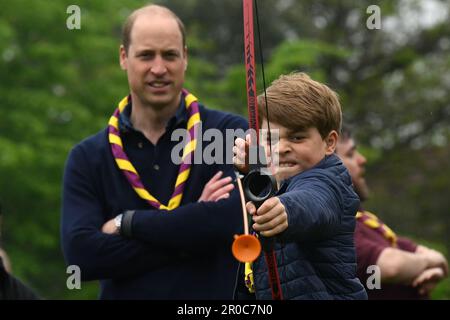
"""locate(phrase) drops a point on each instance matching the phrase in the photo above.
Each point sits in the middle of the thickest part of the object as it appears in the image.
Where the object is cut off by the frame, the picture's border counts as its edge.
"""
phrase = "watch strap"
(127, 220)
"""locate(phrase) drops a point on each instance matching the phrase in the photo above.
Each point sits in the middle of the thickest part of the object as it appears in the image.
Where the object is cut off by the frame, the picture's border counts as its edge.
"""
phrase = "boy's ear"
(331, 141)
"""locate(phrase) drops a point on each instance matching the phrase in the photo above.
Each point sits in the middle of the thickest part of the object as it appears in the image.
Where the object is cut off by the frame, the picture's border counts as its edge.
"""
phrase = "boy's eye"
(297, 138)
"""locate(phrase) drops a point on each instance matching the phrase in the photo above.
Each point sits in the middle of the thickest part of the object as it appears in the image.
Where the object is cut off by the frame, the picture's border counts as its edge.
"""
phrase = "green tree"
(60, 86)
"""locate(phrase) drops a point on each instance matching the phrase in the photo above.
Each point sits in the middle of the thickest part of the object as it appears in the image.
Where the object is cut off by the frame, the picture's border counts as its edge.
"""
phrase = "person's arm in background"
(429, 278)
(436, 255)
(12, 288)
(6, 261)
(398, 266)
(3, 255)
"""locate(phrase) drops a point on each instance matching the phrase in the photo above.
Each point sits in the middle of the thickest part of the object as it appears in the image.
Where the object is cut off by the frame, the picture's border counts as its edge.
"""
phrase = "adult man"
(408, 270)
(147, 227)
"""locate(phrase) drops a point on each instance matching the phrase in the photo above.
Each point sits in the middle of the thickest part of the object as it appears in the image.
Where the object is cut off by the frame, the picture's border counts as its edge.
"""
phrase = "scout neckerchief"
(248, 277)
(185, 167)
(372, 221)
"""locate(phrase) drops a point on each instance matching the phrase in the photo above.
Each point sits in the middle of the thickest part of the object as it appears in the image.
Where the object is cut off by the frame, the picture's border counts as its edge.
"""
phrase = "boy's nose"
(284, 146)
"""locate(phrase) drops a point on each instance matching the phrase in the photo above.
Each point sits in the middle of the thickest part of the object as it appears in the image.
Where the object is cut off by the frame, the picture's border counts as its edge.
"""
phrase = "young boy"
(312, 217)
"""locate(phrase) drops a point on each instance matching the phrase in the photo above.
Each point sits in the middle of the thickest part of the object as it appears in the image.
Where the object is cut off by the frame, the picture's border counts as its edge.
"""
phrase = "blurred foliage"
(60, 86)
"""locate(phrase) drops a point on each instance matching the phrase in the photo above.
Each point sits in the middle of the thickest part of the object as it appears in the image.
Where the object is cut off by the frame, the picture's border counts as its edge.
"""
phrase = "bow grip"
(259, 185)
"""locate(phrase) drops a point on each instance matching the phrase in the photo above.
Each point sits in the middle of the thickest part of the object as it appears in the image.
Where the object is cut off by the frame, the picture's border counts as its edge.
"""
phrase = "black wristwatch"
(125, 223)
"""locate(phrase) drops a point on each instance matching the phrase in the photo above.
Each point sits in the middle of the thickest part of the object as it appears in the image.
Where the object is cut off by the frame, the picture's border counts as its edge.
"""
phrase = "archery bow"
(258, 185)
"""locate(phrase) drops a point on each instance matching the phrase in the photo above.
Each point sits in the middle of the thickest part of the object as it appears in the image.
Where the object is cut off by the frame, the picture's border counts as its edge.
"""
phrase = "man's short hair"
(156, 9)
(298, 103)
(346, 132)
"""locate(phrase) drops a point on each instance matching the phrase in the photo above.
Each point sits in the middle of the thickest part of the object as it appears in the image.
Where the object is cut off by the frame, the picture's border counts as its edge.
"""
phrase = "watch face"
(118, 220)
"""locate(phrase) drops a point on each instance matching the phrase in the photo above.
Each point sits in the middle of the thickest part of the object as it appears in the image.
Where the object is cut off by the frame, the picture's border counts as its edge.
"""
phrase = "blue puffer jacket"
(315, 255)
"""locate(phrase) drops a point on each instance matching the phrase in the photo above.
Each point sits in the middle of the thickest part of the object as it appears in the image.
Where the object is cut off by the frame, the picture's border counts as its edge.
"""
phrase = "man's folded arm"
(194, 227)
(99, 256)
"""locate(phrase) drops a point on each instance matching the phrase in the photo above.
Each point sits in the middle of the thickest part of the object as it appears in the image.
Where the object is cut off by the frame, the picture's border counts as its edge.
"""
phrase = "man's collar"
(125, 124)
(180, 118)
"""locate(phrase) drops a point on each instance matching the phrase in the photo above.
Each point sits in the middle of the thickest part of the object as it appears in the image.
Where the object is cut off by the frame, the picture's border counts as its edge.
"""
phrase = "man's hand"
(216, 188)
(270, 219)
(435, 258)
(427, 280)
(110, 227)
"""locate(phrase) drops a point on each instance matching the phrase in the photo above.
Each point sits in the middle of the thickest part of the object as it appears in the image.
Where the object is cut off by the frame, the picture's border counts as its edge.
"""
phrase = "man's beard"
(362, 190)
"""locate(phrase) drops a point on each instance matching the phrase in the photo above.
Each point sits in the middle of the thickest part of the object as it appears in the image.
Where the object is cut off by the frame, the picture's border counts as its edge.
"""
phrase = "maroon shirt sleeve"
(406, 244)
(368, 244)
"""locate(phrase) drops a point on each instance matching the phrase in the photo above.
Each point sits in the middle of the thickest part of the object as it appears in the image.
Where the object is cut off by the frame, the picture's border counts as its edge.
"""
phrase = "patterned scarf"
(372, 221)
(185, 167)
(248, 277)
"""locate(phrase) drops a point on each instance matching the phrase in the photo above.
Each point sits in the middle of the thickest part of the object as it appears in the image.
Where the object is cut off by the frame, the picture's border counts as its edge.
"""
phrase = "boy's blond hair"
(297, 102)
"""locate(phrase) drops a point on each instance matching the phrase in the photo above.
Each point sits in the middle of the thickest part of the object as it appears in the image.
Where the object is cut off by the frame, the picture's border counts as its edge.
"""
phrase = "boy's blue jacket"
(316, 255)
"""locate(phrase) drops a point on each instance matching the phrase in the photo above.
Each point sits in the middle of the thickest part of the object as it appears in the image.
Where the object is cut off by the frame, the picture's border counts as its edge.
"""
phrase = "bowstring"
(261, 55)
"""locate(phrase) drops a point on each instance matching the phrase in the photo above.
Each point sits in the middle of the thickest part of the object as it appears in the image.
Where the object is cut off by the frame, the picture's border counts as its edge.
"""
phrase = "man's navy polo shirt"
(184, 254)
